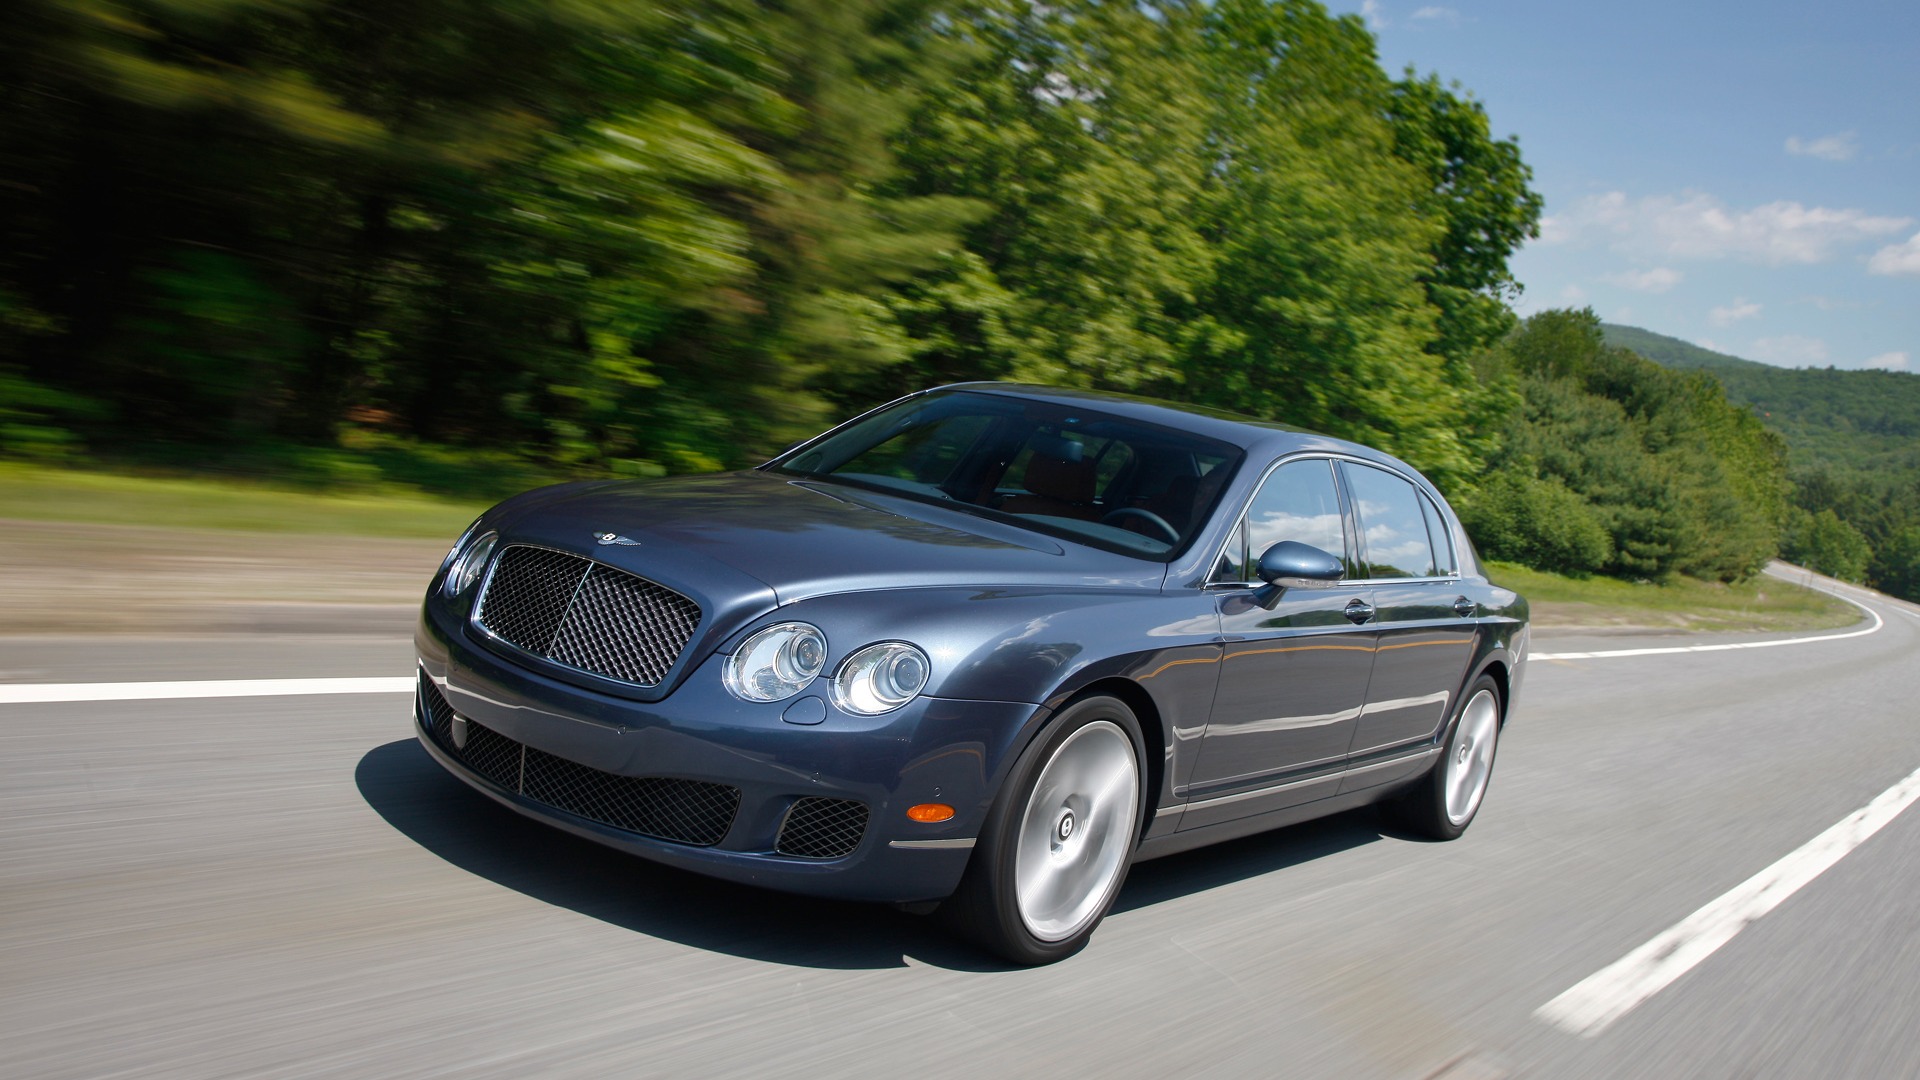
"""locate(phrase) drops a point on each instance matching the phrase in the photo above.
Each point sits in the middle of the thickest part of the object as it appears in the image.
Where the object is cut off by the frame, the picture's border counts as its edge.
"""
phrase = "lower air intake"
(822, 828)
(684, 811)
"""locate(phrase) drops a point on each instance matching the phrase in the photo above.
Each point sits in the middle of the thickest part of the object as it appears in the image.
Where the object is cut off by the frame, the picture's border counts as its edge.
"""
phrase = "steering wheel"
(1171, 534)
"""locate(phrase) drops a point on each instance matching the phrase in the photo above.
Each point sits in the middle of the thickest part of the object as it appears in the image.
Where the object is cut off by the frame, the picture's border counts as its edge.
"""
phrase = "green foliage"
(1855, 439)
(1825, 544)
(1895, 566)
(1680, 480)
(1536, 522)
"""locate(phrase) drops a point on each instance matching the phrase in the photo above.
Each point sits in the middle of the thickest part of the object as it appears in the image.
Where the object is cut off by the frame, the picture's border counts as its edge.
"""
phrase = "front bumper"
(932, 750)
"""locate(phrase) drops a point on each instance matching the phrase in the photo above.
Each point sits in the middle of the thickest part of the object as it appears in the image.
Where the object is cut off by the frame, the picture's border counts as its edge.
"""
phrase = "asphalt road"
(287, 886)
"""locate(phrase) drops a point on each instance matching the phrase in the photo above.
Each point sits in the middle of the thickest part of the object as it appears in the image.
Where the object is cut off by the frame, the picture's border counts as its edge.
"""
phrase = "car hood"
(733, 535)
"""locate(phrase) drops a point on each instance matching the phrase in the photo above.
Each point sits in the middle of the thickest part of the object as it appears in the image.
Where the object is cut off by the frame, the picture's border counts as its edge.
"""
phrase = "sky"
(1742, 176)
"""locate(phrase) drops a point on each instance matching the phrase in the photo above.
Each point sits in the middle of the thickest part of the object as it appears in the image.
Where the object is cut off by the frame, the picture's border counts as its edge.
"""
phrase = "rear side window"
(1393, 525)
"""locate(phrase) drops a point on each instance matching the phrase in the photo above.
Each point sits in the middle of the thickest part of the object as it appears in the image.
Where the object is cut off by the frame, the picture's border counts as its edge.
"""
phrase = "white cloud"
(1437, 14)
(1831, 303)
(1891, 361)
(1573, 294)
(1370, 10)
(1790, 350)
(1741, 308)
(1839, 147)
(1700, 226)
(1897, 258)
(1710, 345)
(1658, 279)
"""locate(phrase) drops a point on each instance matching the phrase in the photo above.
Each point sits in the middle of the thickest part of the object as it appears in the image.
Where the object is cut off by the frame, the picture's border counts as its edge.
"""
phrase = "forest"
(471, 247)
(1854, 456)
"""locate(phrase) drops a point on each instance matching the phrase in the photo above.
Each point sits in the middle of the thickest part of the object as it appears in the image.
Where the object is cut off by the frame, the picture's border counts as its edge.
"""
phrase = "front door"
(1293, 678)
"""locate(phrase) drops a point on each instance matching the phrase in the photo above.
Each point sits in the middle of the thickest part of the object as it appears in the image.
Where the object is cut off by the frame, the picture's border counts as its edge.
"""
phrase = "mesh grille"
(687, 811)
(683, 811)
(436, 711)
(529, 593)
(822, 828)
(587, 615)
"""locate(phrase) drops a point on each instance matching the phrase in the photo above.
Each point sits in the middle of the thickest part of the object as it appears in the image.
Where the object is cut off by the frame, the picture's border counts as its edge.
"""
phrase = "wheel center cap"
(1065, 829)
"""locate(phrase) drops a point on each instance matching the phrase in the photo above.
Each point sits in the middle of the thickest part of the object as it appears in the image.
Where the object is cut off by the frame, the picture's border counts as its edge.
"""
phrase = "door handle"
(1464, 608)
(1359, 610)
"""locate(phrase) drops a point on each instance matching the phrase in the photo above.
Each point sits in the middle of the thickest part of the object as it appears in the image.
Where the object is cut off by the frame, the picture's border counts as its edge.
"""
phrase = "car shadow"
(1189, 872)
(422, 802)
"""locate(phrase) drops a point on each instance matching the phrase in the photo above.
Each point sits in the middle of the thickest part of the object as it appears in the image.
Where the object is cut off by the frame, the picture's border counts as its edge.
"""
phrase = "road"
(287, 886)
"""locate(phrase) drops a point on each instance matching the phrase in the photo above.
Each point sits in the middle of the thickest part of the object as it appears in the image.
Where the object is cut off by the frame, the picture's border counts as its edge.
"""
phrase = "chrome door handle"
(1359, 610)
(1463, 607)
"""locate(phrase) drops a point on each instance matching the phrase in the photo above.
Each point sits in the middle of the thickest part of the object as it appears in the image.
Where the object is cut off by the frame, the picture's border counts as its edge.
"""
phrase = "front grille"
(822, 828)
(683, 811)
(586, 615)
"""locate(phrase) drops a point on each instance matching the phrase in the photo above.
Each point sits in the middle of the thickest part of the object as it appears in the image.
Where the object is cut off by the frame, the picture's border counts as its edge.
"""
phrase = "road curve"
(287, 886)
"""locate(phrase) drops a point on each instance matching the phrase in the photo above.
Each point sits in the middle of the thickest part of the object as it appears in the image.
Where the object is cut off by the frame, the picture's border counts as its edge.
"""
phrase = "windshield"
(1055, 467)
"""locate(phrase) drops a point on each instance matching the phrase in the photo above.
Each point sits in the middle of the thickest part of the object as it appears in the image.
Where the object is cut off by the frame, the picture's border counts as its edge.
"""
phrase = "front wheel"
(1444, 802)
(1058, 841)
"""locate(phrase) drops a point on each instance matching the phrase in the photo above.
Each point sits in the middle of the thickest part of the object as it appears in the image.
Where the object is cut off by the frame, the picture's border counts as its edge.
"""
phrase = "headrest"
(1057, 471)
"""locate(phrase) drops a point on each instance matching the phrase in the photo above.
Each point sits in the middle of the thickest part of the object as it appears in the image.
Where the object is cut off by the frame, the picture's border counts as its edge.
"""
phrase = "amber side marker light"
(930, 812)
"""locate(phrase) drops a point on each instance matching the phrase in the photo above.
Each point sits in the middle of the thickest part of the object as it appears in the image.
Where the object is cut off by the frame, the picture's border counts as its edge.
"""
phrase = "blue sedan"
(982, 648)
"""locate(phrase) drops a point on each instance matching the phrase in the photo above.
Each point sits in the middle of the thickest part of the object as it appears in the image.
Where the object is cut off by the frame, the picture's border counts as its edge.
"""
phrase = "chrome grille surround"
(692, 812)
(817, 828)
(585, 615)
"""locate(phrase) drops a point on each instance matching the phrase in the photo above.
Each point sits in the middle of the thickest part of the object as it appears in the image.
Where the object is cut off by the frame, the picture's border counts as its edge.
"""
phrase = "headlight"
(466, 534)
(776, 663)
(881, 678)
(468, 565)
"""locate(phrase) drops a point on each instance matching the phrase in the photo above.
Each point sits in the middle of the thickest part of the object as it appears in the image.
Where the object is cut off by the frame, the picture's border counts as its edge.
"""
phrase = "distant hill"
(1867, 420)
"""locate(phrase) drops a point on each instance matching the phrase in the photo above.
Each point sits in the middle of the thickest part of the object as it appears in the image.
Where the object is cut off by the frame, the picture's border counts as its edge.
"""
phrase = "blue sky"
(1743, 176)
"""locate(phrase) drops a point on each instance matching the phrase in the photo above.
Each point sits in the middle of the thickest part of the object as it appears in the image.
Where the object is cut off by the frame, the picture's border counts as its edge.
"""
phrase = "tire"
(1443, 803)
(1057, 844)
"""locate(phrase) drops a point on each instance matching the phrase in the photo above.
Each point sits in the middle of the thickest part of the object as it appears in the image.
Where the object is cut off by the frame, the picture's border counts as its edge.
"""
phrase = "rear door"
(1425, 630)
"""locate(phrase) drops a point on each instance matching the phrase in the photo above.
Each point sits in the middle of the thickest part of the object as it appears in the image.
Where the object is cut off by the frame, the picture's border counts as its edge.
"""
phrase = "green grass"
(44, 493)
(1764, 603)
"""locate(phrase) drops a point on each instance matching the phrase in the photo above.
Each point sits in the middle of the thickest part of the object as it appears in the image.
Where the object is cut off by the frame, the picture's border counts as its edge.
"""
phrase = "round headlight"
(468, 565)
(881, 678)
(776, 663)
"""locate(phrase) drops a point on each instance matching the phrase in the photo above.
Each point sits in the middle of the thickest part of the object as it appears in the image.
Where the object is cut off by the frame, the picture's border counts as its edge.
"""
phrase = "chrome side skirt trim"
(1361, 770)
(933, 845)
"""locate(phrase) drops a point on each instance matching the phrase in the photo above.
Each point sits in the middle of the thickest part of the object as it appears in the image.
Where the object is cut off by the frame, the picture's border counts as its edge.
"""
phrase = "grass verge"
(42, 493)
(1762, 604)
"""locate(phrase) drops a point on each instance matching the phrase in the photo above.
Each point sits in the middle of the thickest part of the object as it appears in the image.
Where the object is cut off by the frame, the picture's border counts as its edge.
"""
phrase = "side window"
(1298, 502)
(1392, 524)
(1443, 564)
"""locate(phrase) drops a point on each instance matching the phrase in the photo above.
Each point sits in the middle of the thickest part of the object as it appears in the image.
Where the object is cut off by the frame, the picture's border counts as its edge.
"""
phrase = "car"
(979, 649)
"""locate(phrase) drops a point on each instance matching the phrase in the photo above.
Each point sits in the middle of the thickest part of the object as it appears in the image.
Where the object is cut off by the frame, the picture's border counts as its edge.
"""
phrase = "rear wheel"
(1058, 841)
(1445, 801)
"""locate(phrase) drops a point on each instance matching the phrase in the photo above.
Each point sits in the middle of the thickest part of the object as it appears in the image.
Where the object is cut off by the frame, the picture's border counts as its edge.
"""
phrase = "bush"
(1825, 544)
(1538, 522)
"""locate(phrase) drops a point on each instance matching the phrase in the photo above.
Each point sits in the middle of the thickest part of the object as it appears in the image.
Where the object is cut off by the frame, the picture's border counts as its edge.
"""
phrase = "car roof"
(1260, 438)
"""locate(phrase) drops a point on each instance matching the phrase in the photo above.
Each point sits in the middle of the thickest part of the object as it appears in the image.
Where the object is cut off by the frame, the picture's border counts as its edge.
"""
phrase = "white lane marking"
(1878, 622)
(30, 693)
(1610, 993)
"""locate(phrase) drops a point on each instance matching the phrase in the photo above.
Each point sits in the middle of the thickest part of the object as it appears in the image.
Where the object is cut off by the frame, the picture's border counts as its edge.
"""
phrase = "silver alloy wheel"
(1076, 831)
(1470, 761)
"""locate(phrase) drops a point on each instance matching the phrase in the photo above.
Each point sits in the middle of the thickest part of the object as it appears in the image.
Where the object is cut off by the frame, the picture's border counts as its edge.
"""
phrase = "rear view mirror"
(1290, 564)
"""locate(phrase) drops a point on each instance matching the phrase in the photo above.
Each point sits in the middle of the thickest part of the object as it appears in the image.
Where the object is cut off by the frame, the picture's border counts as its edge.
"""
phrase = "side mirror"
(1290, 564)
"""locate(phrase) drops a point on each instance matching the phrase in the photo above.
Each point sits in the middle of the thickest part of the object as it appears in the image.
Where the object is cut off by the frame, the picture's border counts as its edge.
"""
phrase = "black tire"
(1069, 835)
(1438, 805)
